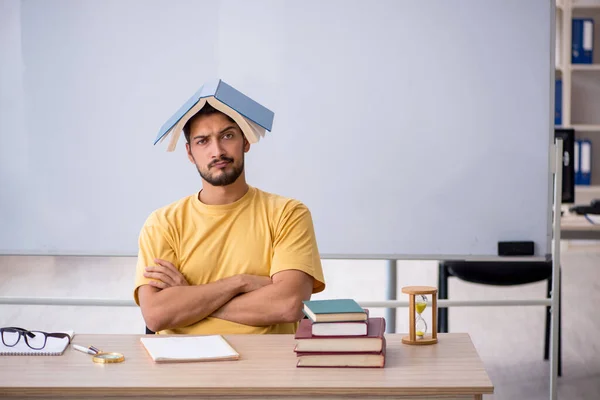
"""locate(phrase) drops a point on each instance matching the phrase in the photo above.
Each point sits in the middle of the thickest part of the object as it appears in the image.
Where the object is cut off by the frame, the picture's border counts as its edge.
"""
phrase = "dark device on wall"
(568, 172)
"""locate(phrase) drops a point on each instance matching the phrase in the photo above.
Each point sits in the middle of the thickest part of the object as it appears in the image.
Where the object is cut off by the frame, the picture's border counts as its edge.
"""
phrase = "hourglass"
(417, 304)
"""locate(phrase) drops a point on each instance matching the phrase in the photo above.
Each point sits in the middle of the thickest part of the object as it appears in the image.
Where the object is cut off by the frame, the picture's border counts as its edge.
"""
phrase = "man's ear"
(246, 145)
(189, 153)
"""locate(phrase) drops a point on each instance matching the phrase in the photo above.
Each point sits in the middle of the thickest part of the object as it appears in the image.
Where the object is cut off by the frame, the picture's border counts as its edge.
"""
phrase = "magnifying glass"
(108, 358)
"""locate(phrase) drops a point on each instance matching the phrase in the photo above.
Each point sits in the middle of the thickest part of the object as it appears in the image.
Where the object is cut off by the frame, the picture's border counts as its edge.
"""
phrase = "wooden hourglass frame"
(412, 292)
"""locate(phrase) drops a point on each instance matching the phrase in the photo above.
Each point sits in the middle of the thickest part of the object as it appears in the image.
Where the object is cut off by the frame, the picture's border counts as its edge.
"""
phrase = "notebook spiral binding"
(23, 353)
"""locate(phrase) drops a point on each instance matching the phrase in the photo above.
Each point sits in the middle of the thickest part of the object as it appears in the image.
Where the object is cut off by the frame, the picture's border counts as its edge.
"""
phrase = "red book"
(372, 342)
(343, 360)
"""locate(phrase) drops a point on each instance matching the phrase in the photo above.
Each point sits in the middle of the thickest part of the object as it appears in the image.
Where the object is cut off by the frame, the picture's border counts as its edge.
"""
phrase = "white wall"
(14, 146)
(409, 129)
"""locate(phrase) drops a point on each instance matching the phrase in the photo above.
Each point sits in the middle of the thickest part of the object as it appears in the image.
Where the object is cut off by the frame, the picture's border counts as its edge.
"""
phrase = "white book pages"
(189, 348)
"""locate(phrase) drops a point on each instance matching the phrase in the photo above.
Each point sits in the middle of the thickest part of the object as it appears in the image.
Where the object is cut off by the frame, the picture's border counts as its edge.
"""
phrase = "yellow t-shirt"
(260, 234)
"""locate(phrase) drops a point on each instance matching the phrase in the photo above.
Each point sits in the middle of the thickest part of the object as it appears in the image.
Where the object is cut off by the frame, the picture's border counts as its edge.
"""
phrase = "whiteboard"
(409, 129)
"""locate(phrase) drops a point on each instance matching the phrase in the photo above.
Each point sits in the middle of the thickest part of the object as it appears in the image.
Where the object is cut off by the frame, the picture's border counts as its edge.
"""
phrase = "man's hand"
(165, 275)
(254, 282)
(280, 302)
(169, 301)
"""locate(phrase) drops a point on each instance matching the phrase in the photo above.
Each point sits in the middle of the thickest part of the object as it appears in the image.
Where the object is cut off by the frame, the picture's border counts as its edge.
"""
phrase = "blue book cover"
(582, 40)
(558, 102)
(334, 310)
(250, 115)
(577, 164)
(585, 163)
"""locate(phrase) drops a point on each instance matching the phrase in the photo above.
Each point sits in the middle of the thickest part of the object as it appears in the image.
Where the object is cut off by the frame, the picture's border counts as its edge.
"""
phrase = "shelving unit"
(580, 82)
(585, 67)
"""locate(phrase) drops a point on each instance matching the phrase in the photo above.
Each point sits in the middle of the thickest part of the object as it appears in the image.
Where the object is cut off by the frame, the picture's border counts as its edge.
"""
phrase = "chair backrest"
(500, 273)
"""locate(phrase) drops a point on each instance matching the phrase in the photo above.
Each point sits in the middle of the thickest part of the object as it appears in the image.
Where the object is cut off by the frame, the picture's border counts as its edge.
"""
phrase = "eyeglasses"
(34, 339)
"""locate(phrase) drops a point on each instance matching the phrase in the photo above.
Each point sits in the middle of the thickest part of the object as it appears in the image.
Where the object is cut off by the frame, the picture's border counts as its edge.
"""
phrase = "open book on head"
(252, 118)
(189, 348)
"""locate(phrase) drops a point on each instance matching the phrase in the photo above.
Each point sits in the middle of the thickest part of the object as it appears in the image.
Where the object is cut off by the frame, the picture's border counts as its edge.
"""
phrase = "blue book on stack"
(582, 41)
(252, 118)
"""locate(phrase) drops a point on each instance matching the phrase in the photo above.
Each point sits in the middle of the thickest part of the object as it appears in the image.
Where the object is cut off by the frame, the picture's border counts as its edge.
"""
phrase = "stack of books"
(339, 333)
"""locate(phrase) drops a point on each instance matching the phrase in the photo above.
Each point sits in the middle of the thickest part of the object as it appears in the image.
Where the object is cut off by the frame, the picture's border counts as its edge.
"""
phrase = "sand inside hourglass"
(420, 306)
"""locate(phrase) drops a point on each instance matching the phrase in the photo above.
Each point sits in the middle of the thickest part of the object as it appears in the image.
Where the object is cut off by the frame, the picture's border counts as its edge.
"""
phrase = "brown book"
(372, 342)
(343, 360)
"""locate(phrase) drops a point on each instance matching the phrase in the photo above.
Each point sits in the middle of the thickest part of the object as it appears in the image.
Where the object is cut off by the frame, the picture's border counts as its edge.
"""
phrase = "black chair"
(500, 274)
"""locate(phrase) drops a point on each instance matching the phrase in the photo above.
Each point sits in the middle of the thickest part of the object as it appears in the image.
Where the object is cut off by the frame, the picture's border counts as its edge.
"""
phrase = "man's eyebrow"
(228, 128)
(223, 130)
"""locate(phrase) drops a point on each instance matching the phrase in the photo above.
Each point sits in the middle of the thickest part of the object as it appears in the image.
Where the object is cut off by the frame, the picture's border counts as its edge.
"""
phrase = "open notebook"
(54, 347)
(189, 348)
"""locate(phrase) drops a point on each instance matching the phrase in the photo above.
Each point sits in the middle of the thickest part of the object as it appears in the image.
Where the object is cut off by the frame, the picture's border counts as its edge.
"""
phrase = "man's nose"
(216, 149)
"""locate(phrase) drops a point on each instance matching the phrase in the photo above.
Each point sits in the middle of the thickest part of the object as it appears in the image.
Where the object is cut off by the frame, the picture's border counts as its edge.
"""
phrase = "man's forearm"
(270, 305)
(180, 306)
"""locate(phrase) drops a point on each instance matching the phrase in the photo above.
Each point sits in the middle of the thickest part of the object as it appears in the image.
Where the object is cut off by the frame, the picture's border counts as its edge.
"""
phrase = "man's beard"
(225, 177)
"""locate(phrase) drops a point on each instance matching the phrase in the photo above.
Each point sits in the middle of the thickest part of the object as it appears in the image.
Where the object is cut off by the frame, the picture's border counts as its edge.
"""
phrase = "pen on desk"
(88, 350)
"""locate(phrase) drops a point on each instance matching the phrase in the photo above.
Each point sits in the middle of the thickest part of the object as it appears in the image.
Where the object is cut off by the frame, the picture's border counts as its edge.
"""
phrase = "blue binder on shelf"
(585, 157)
(558, 102)
(577, 162)
(582, 41)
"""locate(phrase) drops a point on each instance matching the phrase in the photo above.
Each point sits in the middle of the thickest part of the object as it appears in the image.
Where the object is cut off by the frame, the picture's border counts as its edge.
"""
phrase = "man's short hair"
(206, 110)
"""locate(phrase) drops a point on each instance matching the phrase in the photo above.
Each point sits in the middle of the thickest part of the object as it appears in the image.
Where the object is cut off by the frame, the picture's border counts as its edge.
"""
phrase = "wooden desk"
(577, 227)
(267, 369)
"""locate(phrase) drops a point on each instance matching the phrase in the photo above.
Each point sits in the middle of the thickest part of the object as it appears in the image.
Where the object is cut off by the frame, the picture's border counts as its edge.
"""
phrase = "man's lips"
(220, 164)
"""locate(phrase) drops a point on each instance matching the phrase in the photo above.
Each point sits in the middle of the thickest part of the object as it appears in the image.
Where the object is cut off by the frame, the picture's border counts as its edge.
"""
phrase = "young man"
(231, 258)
